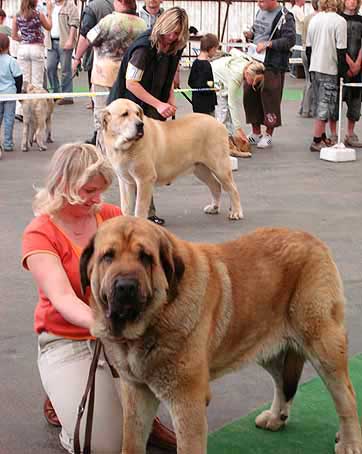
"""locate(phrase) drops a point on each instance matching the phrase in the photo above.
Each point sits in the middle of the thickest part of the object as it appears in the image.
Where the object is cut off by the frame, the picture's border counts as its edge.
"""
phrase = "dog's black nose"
(126, 288)
(140, 128)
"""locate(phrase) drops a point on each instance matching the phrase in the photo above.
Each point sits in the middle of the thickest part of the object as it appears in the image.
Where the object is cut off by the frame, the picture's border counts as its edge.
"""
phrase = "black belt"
(55, 39)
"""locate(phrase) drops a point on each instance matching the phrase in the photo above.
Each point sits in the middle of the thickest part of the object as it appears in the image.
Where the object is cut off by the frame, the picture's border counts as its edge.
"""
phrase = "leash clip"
(81, 409)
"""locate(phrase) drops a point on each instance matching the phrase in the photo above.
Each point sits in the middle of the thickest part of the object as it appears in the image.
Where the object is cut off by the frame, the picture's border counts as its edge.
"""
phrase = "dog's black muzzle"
(124, 304)
(140, 129)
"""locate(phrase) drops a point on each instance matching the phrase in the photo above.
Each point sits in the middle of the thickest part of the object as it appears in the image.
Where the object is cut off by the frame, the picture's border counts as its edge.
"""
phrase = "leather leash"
(89, 390)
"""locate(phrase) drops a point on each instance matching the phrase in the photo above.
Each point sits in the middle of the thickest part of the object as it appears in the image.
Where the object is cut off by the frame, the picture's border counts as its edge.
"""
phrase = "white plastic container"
(338, 153)
(234, 163)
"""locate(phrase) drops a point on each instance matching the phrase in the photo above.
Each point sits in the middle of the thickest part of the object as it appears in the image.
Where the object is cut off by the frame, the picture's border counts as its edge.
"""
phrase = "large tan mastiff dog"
(145, 152)
(174, 315)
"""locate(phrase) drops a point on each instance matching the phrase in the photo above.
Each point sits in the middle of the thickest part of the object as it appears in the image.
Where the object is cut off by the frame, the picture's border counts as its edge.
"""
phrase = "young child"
(229, 73)
(11, 81)
(201, 76)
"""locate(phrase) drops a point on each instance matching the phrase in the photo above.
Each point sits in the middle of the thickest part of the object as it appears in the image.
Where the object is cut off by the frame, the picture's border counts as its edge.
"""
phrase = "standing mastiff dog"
(146, 152)
(174, 315)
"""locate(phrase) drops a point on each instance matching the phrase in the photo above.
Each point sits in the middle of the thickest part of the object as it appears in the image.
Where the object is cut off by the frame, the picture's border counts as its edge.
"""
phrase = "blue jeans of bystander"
(58, 55)
(7, 112)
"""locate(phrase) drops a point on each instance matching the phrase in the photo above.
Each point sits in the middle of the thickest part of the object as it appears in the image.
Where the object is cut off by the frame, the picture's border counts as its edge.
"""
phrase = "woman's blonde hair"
(256, 70)
(329, 5)
(71, 167)
(342, 6)
(168, 22)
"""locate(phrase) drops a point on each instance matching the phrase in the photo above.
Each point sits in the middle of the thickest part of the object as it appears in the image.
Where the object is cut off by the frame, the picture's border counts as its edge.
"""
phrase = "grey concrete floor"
(284, 186)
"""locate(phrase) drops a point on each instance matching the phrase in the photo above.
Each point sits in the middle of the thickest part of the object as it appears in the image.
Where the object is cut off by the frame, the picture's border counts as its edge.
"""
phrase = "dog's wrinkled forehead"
(125, 235)
(122, 109)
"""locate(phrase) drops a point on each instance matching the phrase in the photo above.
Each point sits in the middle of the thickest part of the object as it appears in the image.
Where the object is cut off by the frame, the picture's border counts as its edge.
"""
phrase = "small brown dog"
(37, 115)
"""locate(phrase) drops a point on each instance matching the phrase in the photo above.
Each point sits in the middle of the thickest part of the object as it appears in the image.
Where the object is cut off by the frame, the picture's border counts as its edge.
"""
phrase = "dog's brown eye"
(108, 256)
(125, 114)
(145, 258)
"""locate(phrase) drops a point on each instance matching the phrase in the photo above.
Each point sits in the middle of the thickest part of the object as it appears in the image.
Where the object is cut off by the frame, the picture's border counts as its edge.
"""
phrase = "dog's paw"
(212, 209)
(245, 154)
(235, 215)
(268, 421)
(348, 448)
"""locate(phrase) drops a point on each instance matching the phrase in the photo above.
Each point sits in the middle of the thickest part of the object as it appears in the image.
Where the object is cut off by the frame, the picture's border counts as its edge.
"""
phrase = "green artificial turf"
(311, 428)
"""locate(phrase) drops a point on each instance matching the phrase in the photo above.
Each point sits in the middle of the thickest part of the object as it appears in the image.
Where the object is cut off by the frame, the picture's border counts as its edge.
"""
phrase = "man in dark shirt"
(353, 95)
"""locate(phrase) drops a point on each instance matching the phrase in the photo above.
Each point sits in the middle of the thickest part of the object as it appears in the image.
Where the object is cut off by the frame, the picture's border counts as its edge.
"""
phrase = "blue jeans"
(7, 111)
(58, 55)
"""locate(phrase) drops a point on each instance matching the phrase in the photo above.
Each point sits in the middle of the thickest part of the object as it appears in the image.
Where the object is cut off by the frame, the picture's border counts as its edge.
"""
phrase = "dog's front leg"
(127, 194)
(144, 197)
(188, 413)
(139, 410)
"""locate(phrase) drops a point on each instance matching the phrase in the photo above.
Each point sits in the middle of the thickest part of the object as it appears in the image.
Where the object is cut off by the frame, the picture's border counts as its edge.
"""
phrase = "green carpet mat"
(311, 428)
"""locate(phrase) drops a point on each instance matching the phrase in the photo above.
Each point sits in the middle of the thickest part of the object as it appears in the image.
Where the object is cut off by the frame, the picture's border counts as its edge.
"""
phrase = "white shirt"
(298, 14)
(327, 32)
(229, 72)
(54, 32)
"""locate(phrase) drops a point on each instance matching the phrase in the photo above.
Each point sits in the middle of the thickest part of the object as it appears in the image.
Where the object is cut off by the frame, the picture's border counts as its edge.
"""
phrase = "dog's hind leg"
(329, 358)
(204, 174)
(49, 138)
(222, 171)
(285, 368)
(40, 134)
(25, 138)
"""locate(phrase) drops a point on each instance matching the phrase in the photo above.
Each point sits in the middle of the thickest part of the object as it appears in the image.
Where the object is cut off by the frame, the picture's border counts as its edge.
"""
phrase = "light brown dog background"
(146, 152)
(174, 315)
(37, 119)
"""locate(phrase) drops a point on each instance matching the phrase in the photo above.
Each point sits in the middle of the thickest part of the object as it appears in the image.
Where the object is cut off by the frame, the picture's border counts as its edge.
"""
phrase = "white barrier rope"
(25, 96)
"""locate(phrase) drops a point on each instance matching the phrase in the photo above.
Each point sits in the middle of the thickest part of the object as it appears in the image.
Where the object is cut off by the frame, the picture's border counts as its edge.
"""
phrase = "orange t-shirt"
(42, 235)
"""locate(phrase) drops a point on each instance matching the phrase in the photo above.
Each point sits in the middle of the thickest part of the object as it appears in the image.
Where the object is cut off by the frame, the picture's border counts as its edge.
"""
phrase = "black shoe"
(93, 140)
(19, 118)
(156, 220)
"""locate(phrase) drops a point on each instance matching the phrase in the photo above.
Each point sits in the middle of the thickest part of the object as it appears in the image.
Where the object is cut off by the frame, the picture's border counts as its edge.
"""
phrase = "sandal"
(162, 437)
(49, 413)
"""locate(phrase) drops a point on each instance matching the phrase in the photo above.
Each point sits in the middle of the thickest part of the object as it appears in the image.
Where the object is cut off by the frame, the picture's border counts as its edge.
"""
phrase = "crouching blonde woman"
(230, 72)
(68, 211)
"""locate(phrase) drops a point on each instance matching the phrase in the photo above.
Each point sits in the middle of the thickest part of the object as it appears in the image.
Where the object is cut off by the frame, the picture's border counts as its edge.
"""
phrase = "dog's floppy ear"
(105, 117)
(85, 266)
(140, 110)
(173, 266)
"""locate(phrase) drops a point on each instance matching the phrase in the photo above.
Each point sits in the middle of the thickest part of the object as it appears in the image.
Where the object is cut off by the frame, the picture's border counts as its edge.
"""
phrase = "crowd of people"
(136, 55)
(328, 42)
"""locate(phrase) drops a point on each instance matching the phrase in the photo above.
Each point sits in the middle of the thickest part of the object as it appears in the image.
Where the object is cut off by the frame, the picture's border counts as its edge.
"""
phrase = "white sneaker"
(265, 142)
(254, 139)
